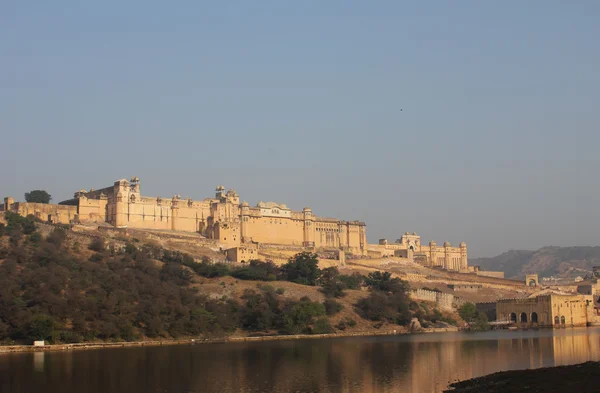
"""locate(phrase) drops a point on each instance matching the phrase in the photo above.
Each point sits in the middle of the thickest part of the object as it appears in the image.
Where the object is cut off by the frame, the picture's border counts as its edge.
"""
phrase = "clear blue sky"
(300, 103)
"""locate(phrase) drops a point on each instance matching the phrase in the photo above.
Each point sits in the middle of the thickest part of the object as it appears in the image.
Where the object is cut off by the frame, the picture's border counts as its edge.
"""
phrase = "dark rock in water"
(579, 378)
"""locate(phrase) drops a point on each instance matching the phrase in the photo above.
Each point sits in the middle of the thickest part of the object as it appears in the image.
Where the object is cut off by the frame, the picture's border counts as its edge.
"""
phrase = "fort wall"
(410, 246)
(444, 301)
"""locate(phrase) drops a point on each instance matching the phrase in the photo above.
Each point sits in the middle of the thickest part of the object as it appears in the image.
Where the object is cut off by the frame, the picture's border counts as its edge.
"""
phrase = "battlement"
(222, 218)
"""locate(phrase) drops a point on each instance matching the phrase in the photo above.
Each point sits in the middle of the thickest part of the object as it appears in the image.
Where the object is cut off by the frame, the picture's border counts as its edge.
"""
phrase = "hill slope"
(547, 261)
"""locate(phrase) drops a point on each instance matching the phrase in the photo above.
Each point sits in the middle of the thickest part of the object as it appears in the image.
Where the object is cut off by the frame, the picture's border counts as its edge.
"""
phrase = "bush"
(35, 238)
(330, 282)
(57, 237)
(129, 248)
(379, 306)
(280, 291)
(332, 307)
(209, 270)
(344, 323)
(468, 312)
(298, 316)
(322, 326)
(480, 323)
(17, 223)
(175, 273)
(258, 271)
(383, 281)
(41, 327)
(97, 245)
(261, 310)
(354, 281)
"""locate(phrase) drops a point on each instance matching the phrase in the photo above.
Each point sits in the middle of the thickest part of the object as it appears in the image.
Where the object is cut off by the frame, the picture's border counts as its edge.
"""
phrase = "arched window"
(513, 317)
(523, 317)
(562, 320)
(534, 317)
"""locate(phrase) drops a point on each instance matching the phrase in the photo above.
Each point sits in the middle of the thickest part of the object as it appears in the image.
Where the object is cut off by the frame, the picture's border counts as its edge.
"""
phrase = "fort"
(234, 224)
(225, 229)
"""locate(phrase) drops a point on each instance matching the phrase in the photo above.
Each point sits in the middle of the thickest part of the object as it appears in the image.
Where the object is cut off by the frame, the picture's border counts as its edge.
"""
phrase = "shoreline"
(7, 349)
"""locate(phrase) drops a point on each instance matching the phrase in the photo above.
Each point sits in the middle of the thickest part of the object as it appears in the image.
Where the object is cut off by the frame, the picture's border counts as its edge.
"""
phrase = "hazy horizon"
(471, 121)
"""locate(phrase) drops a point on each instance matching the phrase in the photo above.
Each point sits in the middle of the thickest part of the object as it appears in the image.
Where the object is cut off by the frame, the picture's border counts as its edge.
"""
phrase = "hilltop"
(547, 261)
(65, 286)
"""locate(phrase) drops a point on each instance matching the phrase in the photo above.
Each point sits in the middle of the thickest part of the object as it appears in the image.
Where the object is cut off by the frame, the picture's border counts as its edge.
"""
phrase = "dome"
(432, 243)
(414, 233)
(447, 244)
(407, 233)
(463, 244)
(245, 204)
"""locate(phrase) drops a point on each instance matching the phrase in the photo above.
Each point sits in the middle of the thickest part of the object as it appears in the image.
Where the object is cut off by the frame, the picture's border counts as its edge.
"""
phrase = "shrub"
(41, 327)
(468, 312)
(280, 291)
(383, 281)
(322, 326)
(344, 323)
(57, 237)
(331, 285)
(298, 316)
(70, 337)
(354, 281)
(258, 271)
(209, 270)
(97, 245)
(332, 307)
(129, 248)
(260, 312)
(35, 237)
(379, 306)
(18, 223)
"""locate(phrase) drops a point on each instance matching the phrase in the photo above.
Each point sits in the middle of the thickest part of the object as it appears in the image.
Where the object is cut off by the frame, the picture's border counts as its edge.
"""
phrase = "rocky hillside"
(547, 261)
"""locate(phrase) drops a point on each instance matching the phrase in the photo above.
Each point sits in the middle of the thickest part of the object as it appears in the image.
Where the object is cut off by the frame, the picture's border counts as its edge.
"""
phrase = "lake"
(410, 363)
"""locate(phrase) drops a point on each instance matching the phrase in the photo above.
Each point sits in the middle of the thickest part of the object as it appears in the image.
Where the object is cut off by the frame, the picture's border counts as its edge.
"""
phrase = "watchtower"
(531, 280)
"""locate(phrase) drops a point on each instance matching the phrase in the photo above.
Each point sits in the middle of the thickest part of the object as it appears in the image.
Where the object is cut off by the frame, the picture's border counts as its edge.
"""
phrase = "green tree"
(468, 312)
(480, 323)
(303, 268)
(332, 307)
(354, 281)
(40, 327)
(298, 316)
(322, 326)
(331, 285)
(383, 281)
(38, 196)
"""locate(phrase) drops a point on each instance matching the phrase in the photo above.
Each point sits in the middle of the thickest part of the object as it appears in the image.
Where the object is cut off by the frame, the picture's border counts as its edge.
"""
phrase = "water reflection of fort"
(400, 365)
(420, 363)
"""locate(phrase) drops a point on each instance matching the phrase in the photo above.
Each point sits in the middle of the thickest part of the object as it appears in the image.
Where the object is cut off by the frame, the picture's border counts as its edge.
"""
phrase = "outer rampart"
(444, 301)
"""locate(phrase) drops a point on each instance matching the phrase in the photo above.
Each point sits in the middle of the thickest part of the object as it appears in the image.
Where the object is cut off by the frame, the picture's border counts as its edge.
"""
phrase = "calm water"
(417, 363)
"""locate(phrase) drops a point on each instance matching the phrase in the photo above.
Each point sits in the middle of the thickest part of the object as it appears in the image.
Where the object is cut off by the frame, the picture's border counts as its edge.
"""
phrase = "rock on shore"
(580, 378)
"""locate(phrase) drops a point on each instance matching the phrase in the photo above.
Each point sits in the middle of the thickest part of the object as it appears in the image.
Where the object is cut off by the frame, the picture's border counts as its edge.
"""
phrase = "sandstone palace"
(233, 224)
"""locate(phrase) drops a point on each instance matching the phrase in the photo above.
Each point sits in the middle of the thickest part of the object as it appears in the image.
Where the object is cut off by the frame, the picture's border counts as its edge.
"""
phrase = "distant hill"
(547, 261)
